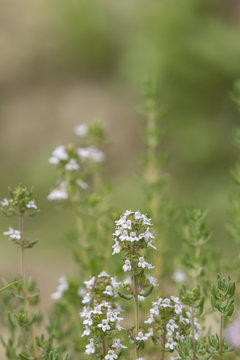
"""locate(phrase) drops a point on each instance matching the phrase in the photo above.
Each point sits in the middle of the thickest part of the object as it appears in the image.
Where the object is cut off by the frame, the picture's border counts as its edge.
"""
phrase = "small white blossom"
(81, 130)
(13, 234)
(117, 344)
(82, 184)
(89, 284)
(4, 202)
(60, 193)
(62, 286)
(91, 153)
(104, 325)
(72, 165)
(116, 248)
(170, 344)
(144, 264)
(141, 336)
(111, 355)
(58, 154)
(127, 266)
(90, 348)
(31, 204)
(179, 276)
(86, 299)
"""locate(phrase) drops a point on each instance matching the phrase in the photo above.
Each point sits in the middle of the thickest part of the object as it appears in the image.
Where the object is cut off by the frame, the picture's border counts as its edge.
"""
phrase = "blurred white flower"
(91, 153)
(4, 202)
(13, 234)
(179, 276)
(72, 165)
(60, 193)
(58, 154)
(62, 286)
(82, 184)
(81, 130)
(31, 204)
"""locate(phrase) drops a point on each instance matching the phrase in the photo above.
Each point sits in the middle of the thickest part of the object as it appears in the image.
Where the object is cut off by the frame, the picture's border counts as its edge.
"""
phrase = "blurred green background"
(65, 62)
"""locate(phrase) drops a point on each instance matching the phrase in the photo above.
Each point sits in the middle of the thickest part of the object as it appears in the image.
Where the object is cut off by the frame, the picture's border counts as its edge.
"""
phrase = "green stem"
(25, 293)
(193, 332)
(8, 286)
(163, 344)
(221, 338)
(135, 294)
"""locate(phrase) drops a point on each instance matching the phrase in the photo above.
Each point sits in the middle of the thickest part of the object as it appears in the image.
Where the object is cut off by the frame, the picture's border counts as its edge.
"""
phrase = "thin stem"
(105, 346)
(163, 344)
(135, 294)
(193, 333)
(25, 293)
(8, 286)
(221, 338)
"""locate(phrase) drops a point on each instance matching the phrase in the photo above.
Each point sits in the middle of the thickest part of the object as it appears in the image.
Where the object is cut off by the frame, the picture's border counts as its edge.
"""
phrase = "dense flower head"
(20, 201)
(132, 228)
(101, 314)
(170, 316)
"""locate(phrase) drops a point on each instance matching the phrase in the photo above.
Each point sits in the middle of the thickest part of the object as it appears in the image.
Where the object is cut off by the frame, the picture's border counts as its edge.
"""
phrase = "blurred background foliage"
(65, 62)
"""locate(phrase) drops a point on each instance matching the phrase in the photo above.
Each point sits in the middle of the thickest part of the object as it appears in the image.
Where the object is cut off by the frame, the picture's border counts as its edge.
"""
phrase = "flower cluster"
(20, 201)
(133, 234)
(101, 316)
(172, 321)
(74, 162)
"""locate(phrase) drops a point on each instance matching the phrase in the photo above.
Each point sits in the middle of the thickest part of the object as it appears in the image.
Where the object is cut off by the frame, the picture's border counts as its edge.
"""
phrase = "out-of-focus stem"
(193, 332)
(163, 344)
(221, 338)
(135, 294)
(25, 293)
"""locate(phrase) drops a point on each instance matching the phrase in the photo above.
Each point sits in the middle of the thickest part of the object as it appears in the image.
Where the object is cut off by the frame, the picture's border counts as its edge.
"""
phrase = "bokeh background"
(68, 61)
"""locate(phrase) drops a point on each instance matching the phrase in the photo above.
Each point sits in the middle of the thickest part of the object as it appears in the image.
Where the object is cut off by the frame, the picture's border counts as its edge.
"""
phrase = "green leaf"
(147, 292)
(126, 297)
(30, 244)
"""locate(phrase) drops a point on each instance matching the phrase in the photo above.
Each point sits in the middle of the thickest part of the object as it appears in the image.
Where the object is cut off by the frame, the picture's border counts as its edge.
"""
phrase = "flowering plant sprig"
(222, 301)
(101, 315)
(171, 321)
(132, 236)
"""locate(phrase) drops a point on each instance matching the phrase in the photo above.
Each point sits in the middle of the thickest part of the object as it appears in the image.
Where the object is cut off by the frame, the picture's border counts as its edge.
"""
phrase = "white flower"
(86, 332)
(114, 282)
(170, 344)
(60, 193)
(142, 263)
(171, 326)
(152, 280)
(116, 248)
(141, 336)
(58, 154)
(104, 325)
(103, 274)
(117, 344)
(91, 153)
(31, 204)
(90, 348)
(4, 202)
(82, 184)
(86, 299)
(72, 165)
(179, 276)
(81, 130)
(62, 286)
(89, 284)
(166, 303)
(13, 234)
(111, 355)
(109, 291)
(127, 266)
(81, 291)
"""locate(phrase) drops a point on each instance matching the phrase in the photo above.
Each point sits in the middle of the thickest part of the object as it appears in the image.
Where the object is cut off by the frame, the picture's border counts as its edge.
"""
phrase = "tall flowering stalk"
(101, 314)
(20, 204)
(132, 237)
(80, 187)
(154, 159)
